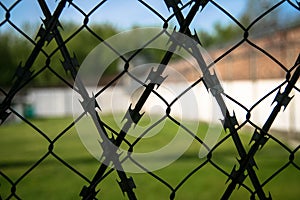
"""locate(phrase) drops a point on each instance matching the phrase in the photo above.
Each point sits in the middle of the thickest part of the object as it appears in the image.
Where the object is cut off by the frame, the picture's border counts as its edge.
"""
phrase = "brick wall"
(247, 62)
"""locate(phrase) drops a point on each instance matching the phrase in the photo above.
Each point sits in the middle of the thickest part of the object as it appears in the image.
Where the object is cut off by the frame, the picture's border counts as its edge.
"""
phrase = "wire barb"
(127, 185)
(132, 115)
(229, 121)
(111, 140)
(172, 3)
(212, 83)
(282, 100)
(155, 77)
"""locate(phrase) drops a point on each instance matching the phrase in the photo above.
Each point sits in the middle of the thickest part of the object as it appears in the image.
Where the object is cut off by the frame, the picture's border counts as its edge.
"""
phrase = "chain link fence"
(246, 170)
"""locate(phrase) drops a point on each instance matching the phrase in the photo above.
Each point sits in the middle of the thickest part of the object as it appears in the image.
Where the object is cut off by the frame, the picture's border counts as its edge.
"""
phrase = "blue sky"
(123, 14)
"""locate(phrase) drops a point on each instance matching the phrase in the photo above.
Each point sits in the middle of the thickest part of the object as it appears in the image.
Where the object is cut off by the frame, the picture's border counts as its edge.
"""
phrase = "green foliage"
(222, 34)
(15, 49)
(12, 51)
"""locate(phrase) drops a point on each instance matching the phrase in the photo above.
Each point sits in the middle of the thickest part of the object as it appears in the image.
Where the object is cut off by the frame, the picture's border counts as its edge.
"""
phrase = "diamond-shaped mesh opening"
(220, 115)
(288, 174)
(45, 171)
(28, 149)
(271, 158)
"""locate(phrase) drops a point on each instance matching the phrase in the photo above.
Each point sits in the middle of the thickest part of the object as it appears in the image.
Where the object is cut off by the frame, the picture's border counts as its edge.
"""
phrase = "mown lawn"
(21, 147)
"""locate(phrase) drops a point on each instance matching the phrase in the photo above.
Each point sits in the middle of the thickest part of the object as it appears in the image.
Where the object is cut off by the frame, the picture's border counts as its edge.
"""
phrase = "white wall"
(195, 104)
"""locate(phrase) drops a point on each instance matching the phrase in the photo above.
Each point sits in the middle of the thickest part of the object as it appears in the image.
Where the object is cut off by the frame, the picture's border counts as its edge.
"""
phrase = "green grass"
(21, 147)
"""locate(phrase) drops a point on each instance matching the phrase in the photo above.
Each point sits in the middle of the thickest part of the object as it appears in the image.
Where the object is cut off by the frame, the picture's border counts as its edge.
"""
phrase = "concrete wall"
(196, 104)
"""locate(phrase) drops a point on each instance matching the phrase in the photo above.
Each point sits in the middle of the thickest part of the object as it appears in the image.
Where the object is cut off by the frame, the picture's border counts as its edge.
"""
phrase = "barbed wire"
(111, 139)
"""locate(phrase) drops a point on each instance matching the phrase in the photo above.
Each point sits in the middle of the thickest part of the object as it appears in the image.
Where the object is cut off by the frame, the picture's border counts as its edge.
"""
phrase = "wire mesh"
(244, 172)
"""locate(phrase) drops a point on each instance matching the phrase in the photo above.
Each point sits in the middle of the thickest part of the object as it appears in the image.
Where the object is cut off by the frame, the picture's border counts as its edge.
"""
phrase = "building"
(260, 56)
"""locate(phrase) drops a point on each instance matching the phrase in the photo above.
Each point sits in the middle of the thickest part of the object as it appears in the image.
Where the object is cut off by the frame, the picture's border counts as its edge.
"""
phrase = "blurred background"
(252, 54)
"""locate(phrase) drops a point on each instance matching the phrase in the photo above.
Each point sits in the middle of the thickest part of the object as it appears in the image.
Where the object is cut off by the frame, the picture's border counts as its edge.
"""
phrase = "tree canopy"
(15, 50)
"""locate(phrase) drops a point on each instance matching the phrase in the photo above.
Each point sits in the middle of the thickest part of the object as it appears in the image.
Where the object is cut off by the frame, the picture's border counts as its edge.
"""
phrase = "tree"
(222, 34)
(15, 49)
(254, 10)
(12, 51)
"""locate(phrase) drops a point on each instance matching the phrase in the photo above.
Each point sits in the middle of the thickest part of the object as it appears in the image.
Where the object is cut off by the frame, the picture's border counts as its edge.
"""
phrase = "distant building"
(246, 62)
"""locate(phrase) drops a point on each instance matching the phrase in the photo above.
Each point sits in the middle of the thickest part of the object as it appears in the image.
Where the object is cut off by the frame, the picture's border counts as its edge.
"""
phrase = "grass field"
(21, 147)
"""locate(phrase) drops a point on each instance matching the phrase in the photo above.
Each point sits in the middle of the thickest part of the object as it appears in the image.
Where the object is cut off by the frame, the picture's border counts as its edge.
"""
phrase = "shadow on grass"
(27, 163)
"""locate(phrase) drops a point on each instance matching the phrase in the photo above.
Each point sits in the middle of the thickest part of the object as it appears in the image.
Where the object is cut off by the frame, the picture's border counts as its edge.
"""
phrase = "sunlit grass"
(21, 147)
